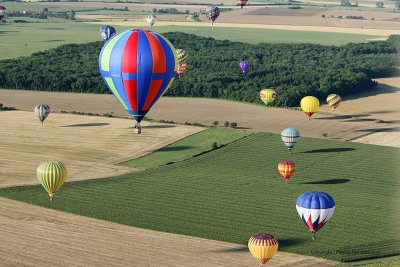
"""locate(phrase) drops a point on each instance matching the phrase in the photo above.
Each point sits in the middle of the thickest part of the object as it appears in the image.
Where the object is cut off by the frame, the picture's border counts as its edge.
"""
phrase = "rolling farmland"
(235, 191)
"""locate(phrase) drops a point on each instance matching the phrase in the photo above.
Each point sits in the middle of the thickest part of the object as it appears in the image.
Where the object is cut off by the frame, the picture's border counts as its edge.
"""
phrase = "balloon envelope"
(151, 19)
(286, 168)
(244, 66)
(42, 111)
(212, 13)
(241, 3)
(333, 101)
(182, 55)
(138, 66)
(52, 175)
(263, 247)
(267, 96)
(290, 136)
(3, 12)
(181, 68)
(106, 32)
(309, 105)
(315, 209)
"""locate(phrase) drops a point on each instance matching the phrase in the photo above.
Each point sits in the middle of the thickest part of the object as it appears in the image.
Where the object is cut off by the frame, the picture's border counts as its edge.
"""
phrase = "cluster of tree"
(169, 11)
(43, 14)
(294, 70)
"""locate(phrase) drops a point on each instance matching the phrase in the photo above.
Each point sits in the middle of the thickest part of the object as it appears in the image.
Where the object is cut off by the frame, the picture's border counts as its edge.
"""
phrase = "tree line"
(294, 70)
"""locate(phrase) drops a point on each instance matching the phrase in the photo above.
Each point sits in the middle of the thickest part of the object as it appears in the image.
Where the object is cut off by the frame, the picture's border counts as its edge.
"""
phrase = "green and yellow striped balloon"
(52, 175)
(182, 55)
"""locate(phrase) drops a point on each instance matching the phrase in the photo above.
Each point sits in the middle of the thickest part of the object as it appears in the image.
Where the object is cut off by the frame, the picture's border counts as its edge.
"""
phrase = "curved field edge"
(233, 192)
(190, 146)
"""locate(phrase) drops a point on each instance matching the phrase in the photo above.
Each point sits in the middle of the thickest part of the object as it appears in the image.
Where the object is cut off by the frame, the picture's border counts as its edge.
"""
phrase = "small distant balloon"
(315, 209)
(151, 19)
(286, 168)
(333, 101)
(263, 247)
(182, 55)
(290, 136)
(3, 12)
(106, 32)
(267, 96)
(244, 66)
(241, 3)
(181, 68)
(52, 175)
(42, 111)
(212, 13)
(310, 105)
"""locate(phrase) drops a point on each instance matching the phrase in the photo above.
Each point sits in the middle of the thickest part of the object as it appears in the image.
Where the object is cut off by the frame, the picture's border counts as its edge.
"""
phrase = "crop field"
(232, 192)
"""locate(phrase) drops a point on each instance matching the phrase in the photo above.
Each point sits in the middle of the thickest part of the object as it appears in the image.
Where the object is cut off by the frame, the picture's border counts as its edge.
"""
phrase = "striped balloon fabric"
(315, 209)
(52, 176)
(42, 111)
(263, 247)
(182, 56)
(333, 101)
(138, 66)
(286, 168)
(181, 68)
(290, 136)
(212, 13)
(241, 3)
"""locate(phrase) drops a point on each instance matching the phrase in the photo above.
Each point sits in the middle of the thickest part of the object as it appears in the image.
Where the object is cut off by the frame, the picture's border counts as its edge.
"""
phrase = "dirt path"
(35, 236)
(89, 146)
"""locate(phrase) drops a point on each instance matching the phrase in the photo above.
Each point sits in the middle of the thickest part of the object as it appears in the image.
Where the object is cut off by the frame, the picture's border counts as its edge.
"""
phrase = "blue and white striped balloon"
(42, 111)
(290, 136)
(315, 209)
(106, 32)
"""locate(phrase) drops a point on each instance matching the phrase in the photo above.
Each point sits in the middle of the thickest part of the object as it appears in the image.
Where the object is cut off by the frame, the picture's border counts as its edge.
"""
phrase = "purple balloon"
(244, 66)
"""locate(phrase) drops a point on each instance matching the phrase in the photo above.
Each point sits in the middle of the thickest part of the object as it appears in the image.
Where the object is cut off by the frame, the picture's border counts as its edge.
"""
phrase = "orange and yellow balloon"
(286, 168)
(333, 101)
(310, 105)
(267, 96)
(263, 247)
(52, 175)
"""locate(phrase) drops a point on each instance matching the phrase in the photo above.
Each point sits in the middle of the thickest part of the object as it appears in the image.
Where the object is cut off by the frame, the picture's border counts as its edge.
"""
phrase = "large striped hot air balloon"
(310, 105)
(267, 96)
(182, 56)
(286, 168)
(290, 136)
(212, 13)
(241, 3)
(263, 247)
(315, 209)
(333, 101)
(181, 68)
(3, 12)
(106, 32)
(42, 111)
(138, 66)
(52, 175)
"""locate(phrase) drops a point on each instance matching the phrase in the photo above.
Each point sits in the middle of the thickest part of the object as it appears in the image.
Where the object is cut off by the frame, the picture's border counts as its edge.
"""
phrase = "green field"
(382, 262)
(235, 191)
(187, 147)
(22, 39)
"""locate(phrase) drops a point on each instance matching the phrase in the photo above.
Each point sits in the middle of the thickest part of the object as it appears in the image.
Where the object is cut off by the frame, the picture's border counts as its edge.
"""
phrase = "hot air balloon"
(138, 66)
(244, 66)
(42, 111)
(212, 13)
(286, 168)
(315, 209)
(263, 247)
(333, 101)
(267, 96)
(241, 3)
(151, 19)
(309, 105)
(3, 12)
(181, 68)
(52, 175)
(182, 56)
(290, 136)
(106, 32)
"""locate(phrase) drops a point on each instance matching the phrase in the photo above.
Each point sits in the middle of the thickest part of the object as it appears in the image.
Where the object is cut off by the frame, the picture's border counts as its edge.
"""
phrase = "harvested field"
(89, 146)
(28, 230)
(205, 111)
